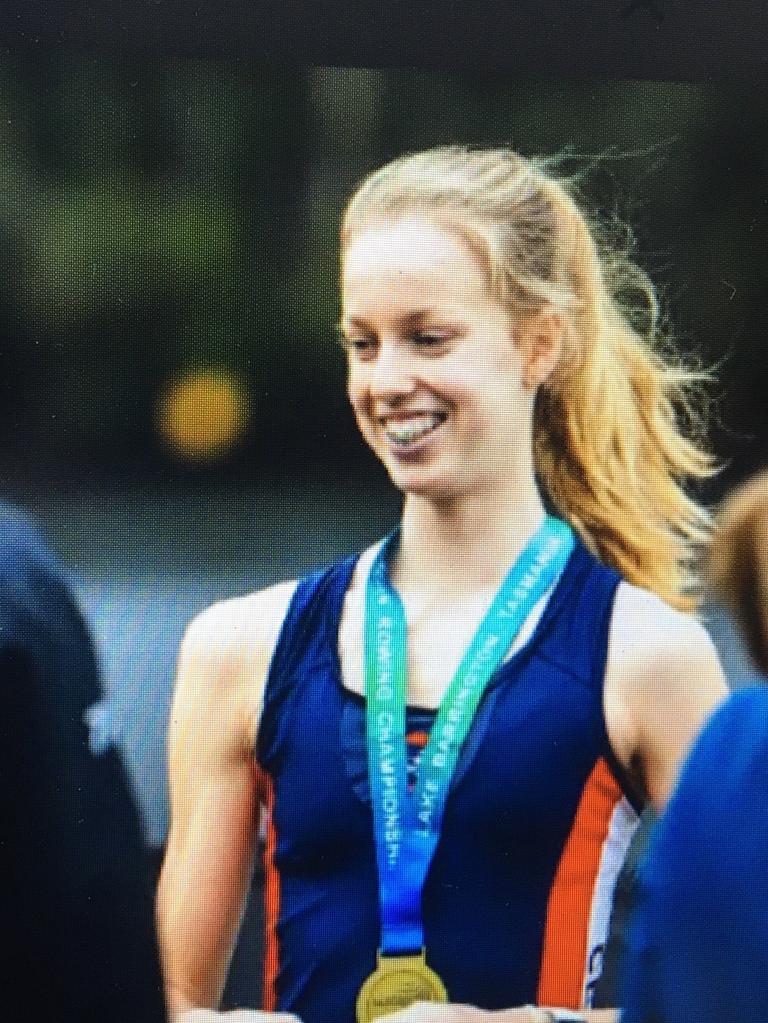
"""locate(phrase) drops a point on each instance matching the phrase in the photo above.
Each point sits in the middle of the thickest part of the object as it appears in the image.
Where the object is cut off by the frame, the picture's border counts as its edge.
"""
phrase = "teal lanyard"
(407, 826)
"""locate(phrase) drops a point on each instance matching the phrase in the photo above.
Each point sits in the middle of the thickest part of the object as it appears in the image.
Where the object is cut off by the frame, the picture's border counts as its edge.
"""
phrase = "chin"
(422, 475)
(423, 483)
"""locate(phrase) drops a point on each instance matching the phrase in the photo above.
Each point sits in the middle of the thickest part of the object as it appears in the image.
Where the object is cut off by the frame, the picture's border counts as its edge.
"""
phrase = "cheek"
(356, 395)
(507, 360)
(488, 403)
(471, 389)
(353, 388)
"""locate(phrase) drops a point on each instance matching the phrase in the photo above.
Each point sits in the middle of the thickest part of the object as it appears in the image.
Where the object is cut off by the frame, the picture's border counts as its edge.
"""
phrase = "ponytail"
(609, 446)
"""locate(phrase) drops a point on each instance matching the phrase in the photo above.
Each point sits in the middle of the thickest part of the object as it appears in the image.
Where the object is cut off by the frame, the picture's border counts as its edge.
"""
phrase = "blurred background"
(173, 406)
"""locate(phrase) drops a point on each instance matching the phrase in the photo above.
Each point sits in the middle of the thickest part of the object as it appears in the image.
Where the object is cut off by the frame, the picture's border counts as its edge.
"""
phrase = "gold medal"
(396, 983)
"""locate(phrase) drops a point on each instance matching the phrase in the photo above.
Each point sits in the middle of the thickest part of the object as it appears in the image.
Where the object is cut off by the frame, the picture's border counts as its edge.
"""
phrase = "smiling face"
(435, 372)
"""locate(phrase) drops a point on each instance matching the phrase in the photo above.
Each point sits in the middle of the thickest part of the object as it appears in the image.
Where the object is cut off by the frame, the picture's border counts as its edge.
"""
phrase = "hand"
(440, 1012)
(234, 1016)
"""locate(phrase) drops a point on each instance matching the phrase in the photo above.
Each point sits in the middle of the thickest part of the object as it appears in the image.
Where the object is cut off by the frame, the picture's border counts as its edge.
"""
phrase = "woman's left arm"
(663, 680)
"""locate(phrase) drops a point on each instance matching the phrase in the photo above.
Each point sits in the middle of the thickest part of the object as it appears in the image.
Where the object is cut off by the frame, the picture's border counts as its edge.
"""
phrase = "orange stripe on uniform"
(566, 931)
(417, 739)
(271, 898)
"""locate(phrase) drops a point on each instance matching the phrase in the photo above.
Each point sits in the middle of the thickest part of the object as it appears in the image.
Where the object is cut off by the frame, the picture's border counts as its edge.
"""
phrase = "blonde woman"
(452, 733)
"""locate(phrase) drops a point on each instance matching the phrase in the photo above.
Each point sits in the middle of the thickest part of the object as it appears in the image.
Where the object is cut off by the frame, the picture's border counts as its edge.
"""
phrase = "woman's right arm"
(223, 663)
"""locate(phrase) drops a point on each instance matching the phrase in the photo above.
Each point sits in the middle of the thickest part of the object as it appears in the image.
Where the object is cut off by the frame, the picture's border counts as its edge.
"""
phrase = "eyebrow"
(410, 321)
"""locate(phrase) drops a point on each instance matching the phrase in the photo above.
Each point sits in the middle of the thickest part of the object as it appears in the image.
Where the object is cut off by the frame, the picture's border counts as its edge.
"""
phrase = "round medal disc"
(396, 983)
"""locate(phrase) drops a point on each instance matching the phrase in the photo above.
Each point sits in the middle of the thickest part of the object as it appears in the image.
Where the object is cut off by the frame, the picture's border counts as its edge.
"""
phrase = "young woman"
(494, 370)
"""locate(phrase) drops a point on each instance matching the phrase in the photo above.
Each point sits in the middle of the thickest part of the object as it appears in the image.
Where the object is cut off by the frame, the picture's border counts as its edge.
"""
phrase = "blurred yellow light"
(203, 413)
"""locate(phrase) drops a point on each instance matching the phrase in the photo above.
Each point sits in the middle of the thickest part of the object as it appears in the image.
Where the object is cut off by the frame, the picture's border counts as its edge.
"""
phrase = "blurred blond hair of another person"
(738, 564)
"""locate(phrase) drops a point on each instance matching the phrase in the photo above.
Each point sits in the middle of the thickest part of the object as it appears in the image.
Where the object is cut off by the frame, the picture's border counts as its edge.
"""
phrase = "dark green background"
(162, 215)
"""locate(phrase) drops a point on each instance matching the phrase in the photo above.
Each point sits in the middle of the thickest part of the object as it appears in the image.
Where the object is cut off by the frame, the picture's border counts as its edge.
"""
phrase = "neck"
(466, 544)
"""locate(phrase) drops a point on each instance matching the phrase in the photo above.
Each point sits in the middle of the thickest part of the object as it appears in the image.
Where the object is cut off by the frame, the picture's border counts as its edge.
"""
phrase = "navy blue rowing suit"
(517, 901)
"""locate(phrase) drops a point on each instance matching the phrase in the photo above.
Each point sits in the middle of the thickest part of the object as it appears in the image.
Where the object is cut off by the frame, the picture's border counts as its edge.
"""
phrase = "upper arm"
(663, 680)
(222, 668)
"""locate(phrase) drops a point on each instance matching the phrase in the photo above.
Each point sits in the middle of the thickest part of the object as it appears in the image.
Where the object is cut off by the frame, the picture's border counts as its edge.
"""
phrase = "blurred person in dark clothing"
(699, 945)
(75, 874)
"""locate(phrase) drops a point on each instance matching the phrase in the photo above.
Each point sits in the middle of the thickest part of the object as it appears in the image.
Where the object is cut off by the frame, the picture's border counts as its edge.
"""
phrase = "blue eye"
(428, 340)
(360, 346)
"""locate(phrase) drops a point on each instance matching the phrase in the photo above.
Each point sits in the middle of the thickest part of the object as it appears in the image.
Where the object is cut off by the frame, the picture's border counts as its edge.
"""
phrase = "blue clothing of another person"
(699, 944)
(74, 874)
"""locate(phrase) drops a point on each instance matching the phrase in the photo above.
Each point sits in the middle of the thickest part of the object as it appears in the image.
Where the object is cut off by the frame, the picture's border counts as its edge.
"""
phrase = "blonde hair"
(609, 446)
(738, 563)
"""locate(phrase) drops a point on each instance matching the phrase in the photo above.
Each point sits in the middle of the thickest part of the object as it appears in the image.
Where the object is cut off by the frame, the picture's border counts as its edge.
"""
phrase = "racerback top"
(517, 901)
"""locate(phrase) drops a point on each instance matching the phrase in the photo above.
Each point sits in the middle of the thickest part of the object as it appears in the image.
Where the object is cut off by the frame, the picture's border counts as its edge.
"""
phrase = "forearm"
(550, 1014)
(193, 973)
(180, 1003)
(196, 936)
(192, 980)
(202, 891)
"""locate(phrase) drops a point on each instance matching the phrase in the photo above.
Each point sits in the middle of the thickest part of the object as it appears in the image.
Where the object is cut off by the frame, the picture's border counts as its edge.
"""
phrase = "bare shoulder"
(224, 659)
(649, 639)
(240, 625)
(663, 678)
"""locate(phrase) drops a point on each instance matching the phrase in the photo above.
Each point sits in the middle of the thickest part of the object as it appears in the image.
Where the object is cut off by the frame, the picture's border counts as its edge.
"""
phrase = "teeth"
(406, 431)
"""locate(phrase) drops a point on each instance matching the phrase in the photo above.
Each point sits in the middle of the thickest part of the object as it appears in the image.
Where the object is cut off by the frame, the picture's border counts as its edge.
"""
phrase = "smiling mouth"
(414, 428)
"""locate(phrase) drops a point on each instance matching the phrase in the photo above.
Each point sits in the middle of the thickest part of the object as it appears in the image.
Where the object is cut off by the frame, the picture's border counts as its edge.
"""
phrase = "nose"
(390, 374)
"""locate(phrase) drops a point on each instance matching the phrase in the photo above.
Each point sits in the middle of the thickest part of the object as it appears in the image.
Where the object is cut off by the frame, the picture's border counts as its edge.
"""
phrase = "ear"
(540, 338)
